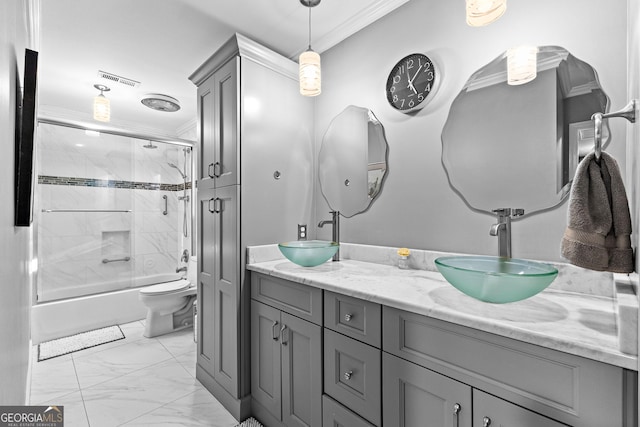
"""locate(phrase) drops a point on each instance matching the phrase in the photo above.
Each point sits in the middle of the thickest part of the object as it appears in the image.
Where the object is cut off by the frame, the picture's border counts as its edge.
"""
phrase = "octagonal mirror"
(352, 163)
(519, 146)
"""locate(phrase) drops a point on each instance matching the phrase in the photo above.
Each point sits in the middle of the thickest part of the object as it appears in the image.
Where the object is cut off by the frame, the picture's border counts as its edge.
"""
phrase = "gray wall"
(417, 208)
(15, 243)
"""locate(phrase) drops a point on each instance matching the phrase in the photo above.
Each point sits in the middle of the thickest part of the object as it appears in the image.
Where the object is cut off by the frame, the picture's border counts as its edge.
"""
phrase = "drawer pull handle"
(211, 174)
(456, 411)
(347, 375)
(347, 317)
(283, 341)
(486, 422)
(274, 333)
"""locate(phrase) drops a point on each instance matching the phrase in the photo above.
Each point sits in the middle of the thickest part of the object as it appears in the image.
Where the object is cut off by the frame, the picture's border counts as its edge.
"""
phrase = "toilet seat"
(166, 288)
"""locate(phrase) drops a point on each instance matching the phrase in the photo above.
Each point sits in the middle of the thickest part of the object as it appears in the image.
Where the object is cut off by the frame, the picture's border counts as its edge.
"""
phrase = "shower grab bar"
(165, 211)
(85, 210)
(628, 112)
(106, 261)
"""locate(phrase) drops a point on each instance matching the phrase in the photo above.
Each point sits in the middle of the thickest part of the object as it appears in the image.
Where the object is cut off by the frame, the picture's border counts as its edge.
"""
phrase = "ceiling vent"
(118, 79)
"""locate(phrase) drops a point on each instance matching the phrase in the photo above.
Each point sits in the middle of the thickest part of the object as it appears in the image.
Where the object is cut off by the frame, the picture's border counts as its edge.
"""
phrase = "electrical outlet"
(302, 231)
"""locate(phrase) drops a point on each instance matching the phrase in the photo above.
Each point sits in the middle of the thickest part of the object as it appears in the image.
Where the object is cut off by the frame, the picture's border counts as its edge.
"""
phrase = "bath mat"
(66, 345)
(250, 422)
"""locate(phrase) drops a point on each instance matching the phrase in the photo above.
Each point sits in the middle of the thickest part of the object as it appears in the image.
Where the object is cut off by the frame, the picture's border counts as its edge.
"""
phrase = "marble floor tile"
(199, 408)
(127, 397)
(188, 361)
(117, 361)
(179, 342)
(52, 378)
(136, 381)
(74, 413)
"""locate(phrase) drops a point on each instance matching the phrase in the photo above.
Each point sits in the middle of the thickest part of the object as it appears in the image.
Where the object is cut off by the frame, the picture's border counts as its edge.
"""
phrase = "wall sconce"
(484, 12)
(309, 62)
(101, 105)
(522, 64)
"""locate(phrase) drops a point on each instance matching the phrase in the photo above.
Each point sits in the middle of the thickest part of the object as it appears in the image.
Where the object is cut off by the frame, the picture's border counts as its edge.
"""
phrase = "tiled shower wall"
(78, 172)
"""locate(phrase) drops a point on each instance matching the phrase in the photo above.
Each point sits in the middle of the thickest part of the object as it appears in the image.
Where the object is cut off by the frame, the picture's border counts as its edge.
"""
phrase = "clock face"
(410, 82)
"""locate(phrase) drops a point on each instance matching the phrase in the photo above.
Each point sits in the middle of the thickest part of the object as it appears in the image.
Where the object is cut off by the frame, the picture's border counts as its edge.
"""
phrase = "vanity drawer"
(336, 415)
(352, 375)
(291, 297)
(353, 317)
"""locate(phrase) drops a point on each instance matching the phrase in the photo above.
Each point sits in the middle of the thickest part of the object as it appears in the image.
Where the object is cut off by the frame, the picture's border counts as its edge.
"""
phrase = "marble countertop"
(576, 323)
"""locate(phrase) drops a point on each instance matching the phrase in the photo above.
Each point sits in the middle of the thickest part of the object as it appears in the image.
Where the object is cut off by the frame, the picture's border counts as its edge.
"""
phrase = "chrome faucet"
(181, 269)
(335, 234)
(502, 229)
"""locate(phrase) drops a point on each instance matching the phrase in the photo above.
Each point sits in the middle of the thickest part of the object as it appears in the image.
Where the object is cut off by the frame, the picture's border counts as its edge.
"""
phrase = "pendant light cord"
(309, 27)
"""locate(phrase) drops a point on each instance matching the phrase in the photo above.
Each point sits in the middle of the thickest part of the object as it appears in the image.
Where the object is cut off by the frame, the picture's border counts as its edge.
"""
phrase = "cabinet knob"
(486, 422)
(347, 375)
(347, 317)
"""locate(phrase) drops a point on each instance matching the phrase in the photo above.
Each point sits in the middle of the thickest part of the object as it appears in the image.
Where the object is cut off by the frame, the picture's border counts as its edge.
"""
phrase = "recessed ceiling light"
(160, 102)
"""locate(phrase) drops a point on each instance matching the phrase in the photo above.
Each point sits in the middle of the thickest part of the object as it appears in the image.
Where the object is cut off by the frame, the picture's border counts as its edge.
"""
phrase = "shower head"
(150, 145)
(178, 169)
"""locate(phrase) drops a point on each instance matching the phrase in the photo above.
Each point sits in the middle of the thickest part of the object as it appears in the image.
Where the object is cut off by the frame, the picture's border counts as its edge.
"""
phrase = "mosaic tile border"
(108, 183)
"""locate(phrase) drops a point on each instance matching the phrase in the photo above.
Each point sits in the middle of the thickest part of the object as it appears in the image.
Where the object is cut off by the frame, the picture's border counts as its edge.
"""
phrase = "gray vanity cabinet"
(414, 396)
(352, 357)
(217, 113)
(218, 294)
(488, 410)
(286, 353)
(255, 152)
(514, 383)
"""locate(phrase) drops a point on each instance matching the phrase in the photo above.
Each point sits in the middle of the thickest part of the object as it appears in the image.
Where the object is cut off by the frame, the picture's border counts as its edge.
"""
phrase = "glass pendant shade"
(484, 12)
(310, 78)
(101, 108)
(522, 64)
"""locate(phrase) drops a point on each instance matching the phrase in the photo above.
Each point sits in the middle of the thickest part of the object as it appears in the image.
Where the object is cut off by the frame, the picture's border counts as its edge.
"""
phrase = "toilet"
(170, 304)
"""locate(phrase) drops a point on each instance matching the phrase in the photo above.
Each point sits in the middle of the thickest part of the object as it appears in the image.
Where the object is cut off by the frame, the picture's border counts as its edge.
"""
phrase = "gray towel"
(599, 224)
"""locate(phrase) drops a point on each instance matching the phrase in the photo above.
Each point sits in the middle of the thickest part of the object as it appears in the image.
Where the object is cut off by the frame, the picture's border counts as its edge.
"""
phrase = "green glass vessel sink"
(308, 253)
(495, 279)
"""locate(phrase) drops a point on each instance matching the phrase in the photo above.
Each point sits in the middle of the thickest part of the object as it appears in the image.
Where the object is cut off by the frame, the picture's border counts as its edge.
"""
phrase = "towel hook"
(628, 112)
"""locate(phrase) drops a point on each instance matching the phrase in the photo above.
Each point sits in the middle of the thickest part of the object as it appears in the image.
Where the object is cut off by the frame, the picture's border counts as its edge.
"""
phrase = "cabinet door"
(226, 288)
(265, 358)
(414, 396)
(206, 313)
(301, 351)
(207, 157)
(491, 411)
(225, 126)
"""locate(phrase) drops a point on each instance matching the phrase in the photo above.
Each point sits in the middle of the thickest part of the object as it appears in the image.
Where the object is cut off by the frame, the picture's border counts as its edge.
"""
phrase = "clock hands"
(410, 85)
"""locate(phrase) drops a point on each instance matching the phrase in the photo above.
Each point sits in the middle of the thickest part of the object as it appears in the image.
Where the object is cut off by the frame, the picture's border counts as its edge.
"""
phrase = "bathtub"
(56, 319)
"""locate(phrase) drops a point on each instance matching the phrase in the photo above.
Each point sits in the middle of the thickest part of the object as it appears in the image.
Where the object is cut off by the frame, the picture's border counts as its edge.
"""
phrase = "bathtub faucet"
(181, 269)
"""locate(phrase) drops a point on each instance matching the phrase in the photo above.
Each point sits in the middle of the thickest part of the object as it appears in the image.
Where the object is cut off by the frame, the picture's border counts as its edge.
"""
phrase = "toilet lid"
(165, 288)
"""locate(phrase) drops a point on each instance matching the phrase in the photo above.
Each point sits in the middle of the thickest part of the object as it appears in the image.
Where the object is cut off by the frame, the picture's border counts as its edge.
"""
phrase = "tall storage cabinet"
(254, 186)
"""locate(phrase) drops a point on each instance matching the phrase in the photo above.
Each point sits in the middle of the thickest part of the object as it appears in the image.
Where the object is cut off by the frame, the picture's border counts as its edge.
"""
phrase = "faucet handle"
(518, 212)
(502, 211)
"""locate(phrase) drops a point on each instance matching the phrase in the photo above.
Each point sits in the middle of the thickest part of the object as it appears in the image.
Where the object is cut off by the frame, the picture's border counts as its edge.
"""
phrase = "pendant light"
(522, 64)
(309, 62)
(101, 105)
(484, 12)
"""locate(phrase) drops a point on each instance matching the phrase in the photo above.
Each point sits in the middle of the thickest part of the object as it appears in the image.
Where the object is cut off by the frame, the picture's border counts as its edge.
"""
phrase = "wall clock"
(411, 83)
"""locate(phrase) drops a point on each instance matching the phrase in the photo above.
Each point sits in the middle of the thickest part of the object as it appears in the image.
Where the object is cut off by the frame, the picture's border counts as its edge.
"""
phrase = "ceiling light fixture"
(101, 105)
(160, 102)
(309, 62)
(522, 64)
(484, 12)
